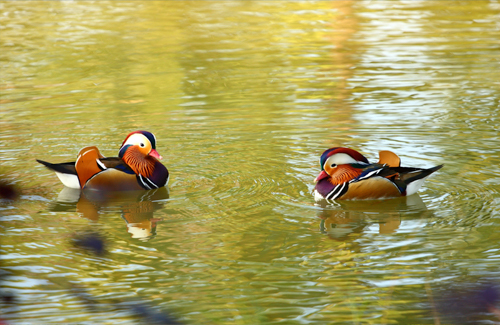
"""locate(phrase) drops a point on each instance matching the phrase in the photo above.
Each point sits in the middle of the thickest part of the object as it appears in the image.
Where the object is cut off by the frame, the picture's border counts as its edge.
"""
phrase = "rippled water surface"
(243, 97)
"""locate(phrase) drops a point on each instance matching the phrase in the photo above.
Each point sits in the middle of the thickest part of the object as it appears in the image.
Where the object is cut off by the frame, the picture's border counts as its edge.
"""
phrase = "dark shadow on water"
(343, 218)
(8, 192)
(466, 301)
(137, 210)
(135, 207)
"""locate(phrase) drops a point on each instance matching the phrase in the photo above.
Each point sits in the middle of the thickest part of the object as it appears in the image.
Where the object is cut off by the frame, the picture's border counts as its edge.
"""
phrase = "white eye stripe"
(340, 159)
(137, 139)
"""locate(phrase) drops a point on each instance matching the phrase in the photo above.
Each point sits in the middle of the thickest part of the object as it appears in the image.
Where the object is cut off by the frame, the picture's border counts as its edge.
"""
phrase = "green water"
(243, 97)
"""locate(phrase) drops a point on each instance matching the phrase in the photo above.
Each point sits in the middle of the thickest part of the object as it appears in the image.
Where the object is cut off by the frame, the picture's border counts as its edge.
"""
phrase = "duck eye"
(142, 145)
(333, 165)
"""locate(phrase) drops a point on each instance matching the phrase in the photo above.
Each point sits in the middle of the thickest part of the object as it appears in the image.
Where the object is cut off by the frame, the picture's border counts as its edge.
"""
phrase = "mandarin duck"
(346, 175)
(136, 167)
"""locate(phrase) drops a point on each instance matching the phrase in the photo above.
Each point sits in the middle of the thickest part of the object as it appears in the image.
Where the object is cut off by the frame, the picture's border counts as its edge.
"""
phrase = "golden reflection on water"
(136, 208)
(353, 216)
(243, 96)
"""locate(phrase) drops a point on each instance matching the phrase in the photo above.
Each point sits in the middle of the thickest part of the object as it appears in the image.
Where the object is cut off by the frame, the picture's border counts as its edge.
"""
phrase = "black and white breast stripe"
(146, 182)
(337, 191)
(341, 189)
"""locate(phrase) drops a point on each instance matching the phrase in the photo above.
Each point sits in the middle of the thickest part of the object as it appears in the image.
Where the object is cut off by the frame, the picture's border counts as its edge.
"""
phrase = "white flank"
(69, 180)
(414, 186)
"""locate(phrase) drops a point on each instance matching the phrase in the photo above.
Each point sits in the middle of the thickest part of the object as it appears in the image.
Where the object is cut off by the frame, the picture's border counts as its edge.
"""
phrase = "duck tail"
(64, 168)
(66, 172)
(415, 179)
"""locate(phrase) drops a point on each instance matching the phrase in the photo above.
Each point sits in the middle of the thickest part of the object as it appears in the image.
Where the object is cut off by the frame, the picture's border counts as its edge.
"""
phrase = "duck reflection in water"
(347, 217)
(136, 207)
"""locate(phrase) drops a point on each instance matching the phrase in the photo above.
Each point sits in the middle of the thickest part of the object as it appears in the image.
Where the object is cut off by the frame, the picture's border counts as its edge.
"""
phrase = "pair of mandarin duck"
(345, 173)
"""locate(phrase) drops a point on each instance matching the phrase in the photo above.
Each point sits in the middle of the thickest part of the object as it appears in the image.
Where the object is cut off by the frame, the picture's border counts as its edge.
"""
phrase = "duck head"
(340, 163)
(141, 141)
(138, 150)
